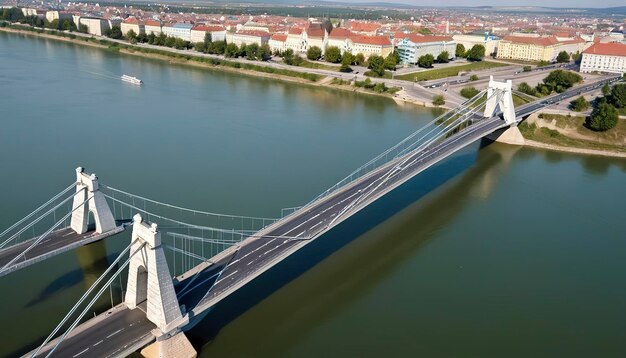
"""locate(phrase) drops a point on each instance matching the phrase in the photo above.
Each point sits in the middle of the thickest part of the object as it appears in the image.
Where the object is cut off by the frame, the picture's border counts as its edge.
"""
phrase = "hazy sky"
(551, 3)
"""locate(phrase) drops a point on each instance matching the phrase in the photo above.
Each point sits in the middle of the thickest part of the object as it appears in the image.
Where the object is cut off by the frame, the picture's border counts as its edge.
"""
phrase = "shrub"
(439, 100)
(474, 78)
(603, 117)
(469, 92)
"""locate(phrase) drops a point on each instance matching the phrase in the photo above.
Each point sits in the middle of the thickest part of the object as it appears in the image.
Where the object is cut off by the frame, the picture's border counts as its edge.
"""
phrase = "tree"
(169, 41)
(559, 80)
(469, 92)
(287, 56)
(231, 50)
(476, 53)
(563, 57)
(217, 47)
(460, 50)
(333, 54)
(54, 24)
(83, 28)
(114, 32)
(359, 59)
(131, 35)
(439, 100)
(390, 62)
(13, 14)
(474, 78)
(377, 65)
(525, 88)
(579, 104)
(199, 46)
(142, 37)
(426, 61)
(618, 95)
(443, 57)
(606, 89)
(314, 53)
(264, 53)
(603, 117)
(346, 61)
(527, 68)
(251, 51)
(207, 40)
(396, 54)
(68, 25)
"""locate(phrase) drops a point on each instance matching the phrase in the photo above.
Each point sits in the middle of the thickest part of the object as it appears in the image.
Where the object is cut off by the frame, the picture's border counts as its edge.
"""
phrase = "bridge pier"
(510, 135)
(87, 188)
(176, 346)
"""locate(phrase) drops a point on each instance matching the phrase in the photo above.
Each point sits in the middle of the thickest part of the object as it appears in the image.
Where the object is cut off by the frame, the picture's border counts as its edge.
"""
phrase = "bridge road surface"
(56, 242)
(256, 255)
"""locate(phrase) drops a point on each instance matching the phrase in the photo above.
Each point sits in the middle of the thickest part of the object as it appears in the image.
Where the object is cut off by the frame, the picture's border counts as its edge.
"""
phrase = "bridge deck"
(55, 243)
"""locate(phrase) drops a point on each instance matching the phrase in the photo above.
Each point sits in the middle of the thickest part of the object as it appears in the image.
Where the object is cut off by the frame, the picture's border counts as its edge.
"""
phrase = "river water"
(499, 251)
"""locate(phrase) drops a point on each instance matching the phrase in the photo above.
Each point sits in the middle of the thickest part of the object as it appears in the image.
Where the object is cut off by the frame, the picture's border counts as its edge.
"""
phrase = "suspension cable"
(187, 209)
(98, 294)
(36, 221)
(83, 297)
(40, 238)
(38, 209)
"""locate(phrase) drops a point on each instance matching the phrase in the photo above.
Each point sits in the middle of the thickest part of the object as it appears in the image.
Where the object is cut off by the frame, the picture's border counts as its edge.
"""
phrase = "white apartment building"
(152, 27)
(179, 30)
(413, 46)
(132, 23)
(490, 42)
(198, 32)
(604, 57)
(95, 25)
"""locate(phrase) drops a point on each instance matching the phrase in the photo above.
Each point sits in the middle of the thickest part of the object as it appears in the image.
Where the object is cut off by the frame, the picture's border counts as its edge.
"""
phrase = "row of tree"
(556, 81)
(476, 53)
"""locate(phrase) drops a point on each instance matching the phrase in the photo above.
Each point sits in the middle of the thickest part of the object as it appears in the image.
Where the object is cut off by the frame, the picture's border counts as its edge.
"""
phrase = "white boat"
(131, 79)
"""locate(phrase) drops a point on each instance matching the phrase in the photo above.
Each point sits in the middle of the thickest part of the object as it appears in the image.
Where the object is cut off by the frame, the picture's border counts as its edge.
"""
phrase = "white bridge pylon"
(149, 279)
(89, 199)
(502, 102)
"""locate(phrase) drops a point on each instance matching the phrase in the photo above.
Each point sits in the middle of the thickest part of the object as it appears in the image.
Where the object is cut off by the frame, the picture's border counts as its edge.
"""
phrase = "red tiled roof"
(152, 23)
(416, 38)
(609, 49)
(372, 40)
(208, 28)
(315, 32)
(363, 26)
(253, 33)
(540, 41)
(131, 20)
(295, 30)
(340, 33)
(279, 37)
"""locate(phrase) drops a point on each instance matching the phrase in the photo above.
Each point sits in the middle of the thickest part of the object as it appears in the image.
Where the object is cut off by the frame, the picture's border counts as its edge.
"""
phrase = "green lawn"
(449, 71)
(609, 140)
(318, 65)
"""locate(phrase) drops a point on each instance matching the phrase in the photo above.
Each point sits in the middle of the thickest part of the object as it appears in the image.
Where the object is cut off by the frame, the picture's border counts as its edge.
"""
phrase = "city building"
(248, 37)
(152, 27)
(179, 30)
(95, 25)
(278, 43)
(372, 45)
(198, 32)
(604, 57)
(490, 42)
(534, 49)
(413, 46)
(132, 23)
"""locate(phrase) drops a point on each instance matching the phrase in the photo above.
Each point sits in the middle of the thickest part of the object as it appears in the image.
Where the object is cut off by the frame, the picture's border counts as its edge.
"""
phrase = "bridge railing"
(40, 220)
(416, 141)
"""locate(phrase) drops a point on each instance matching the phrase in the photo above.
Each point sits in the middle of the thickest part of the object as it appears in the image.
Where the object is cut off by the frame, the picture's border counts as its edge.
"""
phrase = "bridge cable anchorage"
(398, 168)
(183, 224)
(82, 298)
(372, 163)
(91, 303)
(35, 212)
(38, 209)
(43, 236)
(207, 213)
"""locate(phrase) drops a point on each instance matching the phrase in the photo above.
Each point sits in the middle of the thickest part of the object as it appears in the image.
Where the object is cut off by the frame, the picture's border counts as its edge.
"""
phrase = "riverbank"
(554, 130)
(213, 62)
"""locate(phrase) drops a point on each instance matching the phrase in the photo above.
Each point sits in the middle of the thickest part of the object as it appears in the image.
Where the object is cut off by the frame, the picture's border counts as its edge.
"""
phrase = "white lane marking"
(76, 355)
(114, 333)
(98, 343)
(222, 279)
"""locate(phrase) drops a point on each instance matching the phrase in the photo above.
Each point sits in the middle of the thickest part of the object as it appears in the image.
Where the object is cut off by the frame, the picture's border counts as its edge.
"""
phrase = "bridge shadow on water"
(434, 210)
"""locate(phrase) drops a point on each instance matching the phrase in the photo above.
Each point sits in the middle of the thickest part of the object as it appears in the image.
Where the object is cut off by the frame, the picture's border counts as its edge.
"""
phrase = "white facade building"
(604, 57)
(412, 46)
(179, 30)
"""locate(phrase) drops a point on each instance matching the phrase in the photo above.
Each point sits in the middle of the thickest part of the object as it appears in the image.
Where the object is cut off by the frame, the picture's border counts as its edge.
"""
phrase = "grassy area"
(367, 85)
(318, 66)
(116, 47)
(612, 140)
(448, 71)
(373, 74)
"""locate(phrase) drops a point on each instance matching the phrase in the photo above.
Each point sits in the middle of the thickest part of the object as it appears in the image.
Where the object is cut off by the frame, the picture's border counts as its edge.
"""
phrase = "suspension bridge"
(211, 255)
